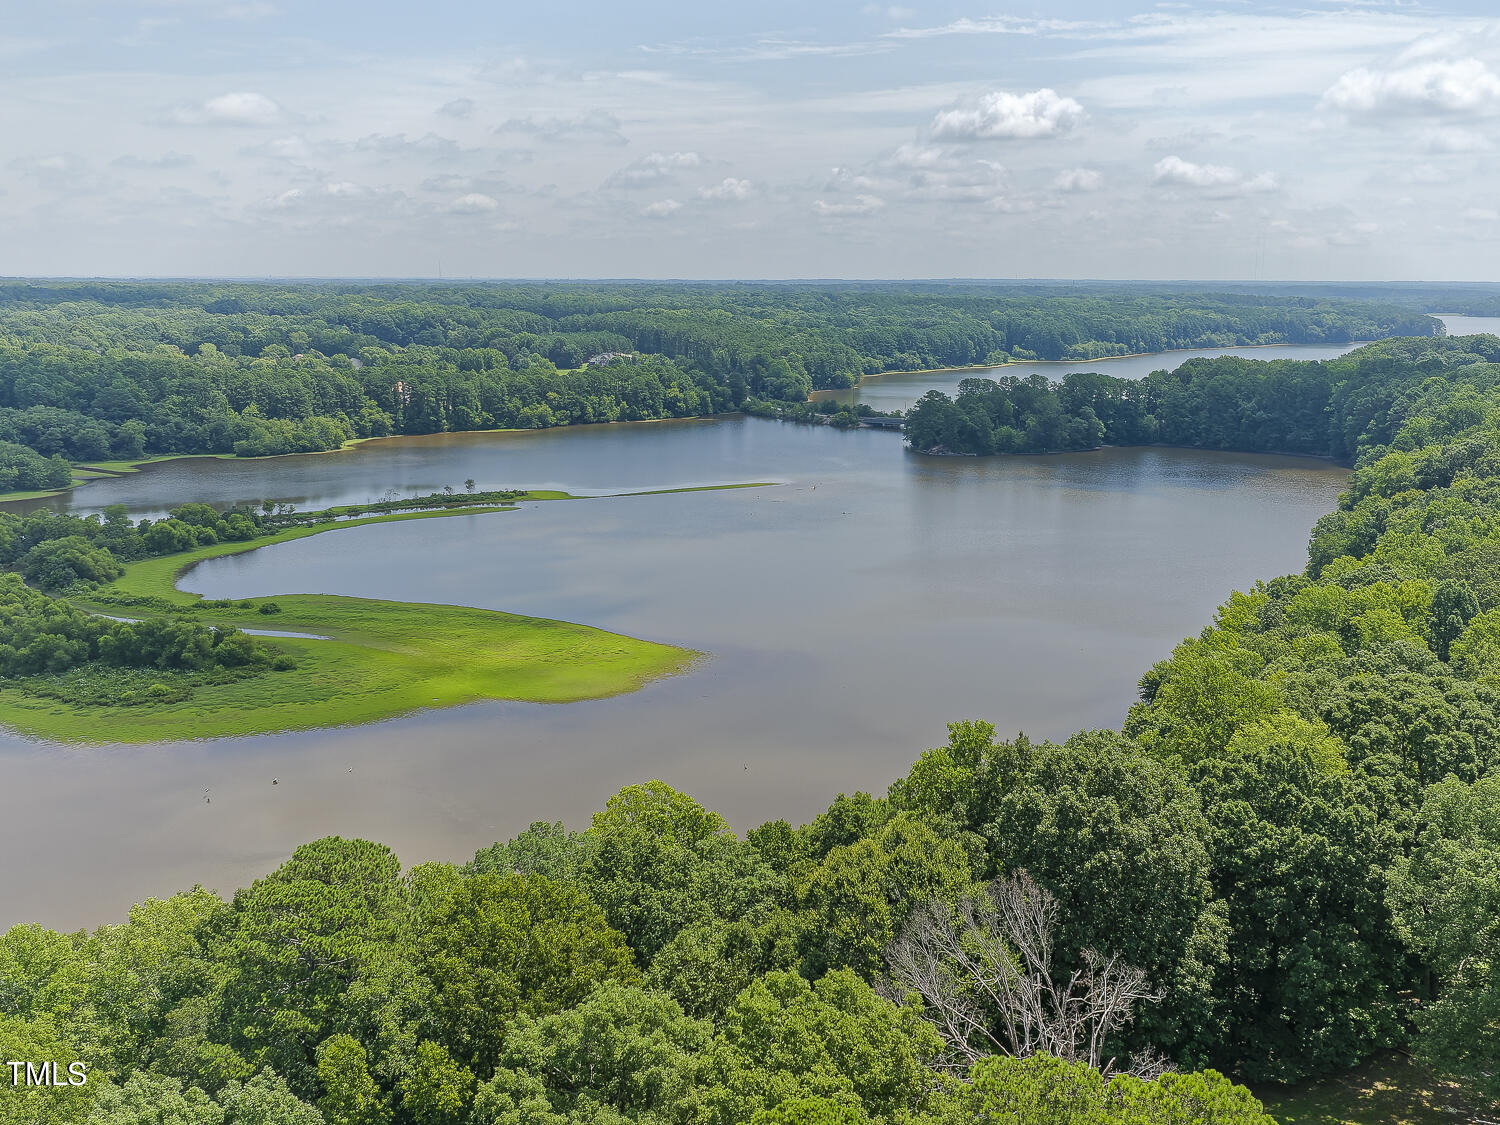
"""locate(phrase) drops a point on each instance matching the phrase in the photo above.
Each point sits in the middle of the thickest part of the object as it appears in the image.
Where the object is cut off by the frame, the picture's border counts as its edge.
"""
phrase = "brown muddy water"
(849, 611)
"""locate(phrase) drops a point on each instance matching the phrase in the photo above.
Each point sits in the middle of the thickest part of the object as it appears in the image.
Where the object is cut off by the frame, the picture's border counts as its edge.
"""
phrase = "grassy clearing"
(381, 658)
(1389, 1090)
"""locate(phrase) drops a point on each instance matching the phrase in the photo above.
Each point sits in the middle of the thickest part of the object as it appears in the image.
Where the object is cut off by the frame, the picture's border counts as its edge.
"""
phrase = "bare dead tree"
(984, 970)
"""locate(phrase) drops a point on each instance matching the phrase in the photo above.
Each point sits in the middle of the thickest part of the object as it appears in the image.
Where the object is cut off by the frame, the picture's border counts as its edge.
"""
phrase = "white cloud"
(238, 108)
(1215, 178)
(997, 25)
(1040, 113)
(661, 209)
(1459, 87)
(1482, 215)
(474, 203)
(595, 125)
(653, 169)
(1077, 180)
(922, 156)
(728, 189)
(859, 205)
(458, 107)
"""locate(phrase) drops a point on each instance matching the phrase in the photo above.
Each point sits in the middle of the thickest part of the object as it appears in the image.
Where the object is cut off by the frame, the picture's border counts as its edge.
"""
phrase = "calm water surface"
(898, 390)
(1469, 325)
(849, 611)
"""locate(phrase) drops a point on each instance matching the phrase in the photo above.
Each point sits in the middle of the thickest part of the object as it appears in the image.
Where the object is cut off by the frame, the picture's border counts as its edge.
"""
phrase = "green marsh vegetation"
(68, 676)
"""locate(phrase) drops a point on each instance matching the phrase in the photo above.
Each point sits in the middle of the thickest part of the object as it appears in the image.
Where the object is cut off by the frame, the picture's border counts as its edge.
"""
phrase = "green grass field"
(1388, 1090)
(381, 659)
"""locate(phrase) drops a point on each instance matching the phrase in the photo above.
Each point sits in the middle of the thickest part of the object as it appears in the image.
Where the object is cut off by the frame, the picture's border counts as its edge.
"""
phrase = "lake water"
(849, 611)
(1469, 325)
(900, 389)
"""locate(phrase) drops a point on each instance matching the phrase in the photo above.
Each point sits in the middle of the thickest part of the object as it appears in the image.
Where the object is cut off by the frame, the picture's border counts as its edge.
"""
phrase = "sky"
(485, 138)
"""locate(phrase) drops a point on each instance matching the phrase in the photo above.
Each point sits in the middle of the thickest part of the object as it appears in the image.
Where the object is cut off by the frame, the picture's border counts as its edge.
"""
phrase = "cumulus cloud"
(1077, 180)
(243, 108)
(999, 115)
(727, 190)
(1215, 178)
(458, 107)
(922, 156)
(593, 126)
(929, 173)
(859, 205)
(475, 203)
(1447, 87)
(661, 209)
(652, 169)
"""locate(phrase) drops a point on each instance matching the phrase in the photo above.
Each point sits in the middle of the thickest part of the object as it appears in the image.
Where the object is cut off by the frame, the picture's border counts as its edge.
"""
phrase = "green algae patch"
(365, 659)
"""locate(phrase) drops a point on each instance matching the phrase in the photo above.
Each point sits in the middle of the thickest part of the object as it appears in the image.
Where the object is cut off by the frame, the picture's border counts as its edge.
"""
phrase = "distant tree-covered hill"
(93, 370)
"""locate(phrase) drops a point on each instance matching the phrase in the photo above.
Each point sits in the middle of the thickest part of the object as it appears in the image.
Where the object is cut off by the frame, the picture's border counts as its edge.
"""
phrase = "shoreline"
(359, 660)
(106, 470)
(1353, 344)
(1328, 457)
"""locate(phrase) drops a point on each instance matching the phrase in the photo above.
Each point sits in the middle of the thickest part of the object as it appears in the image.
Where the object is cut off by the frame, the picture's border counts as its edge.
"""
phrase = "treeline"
(23, 469)
(56, 551)
(84, 405)
(120, 370)
(50, 647)
(46, 636)
(1334, 408)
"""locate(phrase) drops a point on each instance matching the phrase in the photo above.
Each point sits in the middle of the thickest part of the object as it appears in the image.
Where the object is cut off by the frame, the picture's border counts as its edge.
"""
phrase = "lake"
(899, 390)
(848, 612)
(1469, 325)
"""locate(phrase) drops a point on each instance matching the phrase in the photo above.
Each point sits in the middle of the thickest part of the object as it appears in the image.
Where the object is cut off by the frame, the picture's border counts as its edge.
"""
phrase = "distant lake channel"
(848, 610)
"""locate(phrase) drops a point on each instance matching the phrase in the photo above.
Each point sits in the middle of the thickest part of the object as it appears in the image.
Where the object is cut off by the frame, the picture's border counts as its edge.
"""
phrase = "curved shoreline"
(366, 660)
(1101, 359)
(108, 469)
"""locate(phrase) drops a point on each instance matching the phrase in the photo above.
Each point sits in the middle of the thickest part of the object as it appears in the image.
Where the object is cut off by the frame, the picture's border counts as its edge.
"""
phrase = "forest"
(1317, 408)
(1285, 861)
(95, 371)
